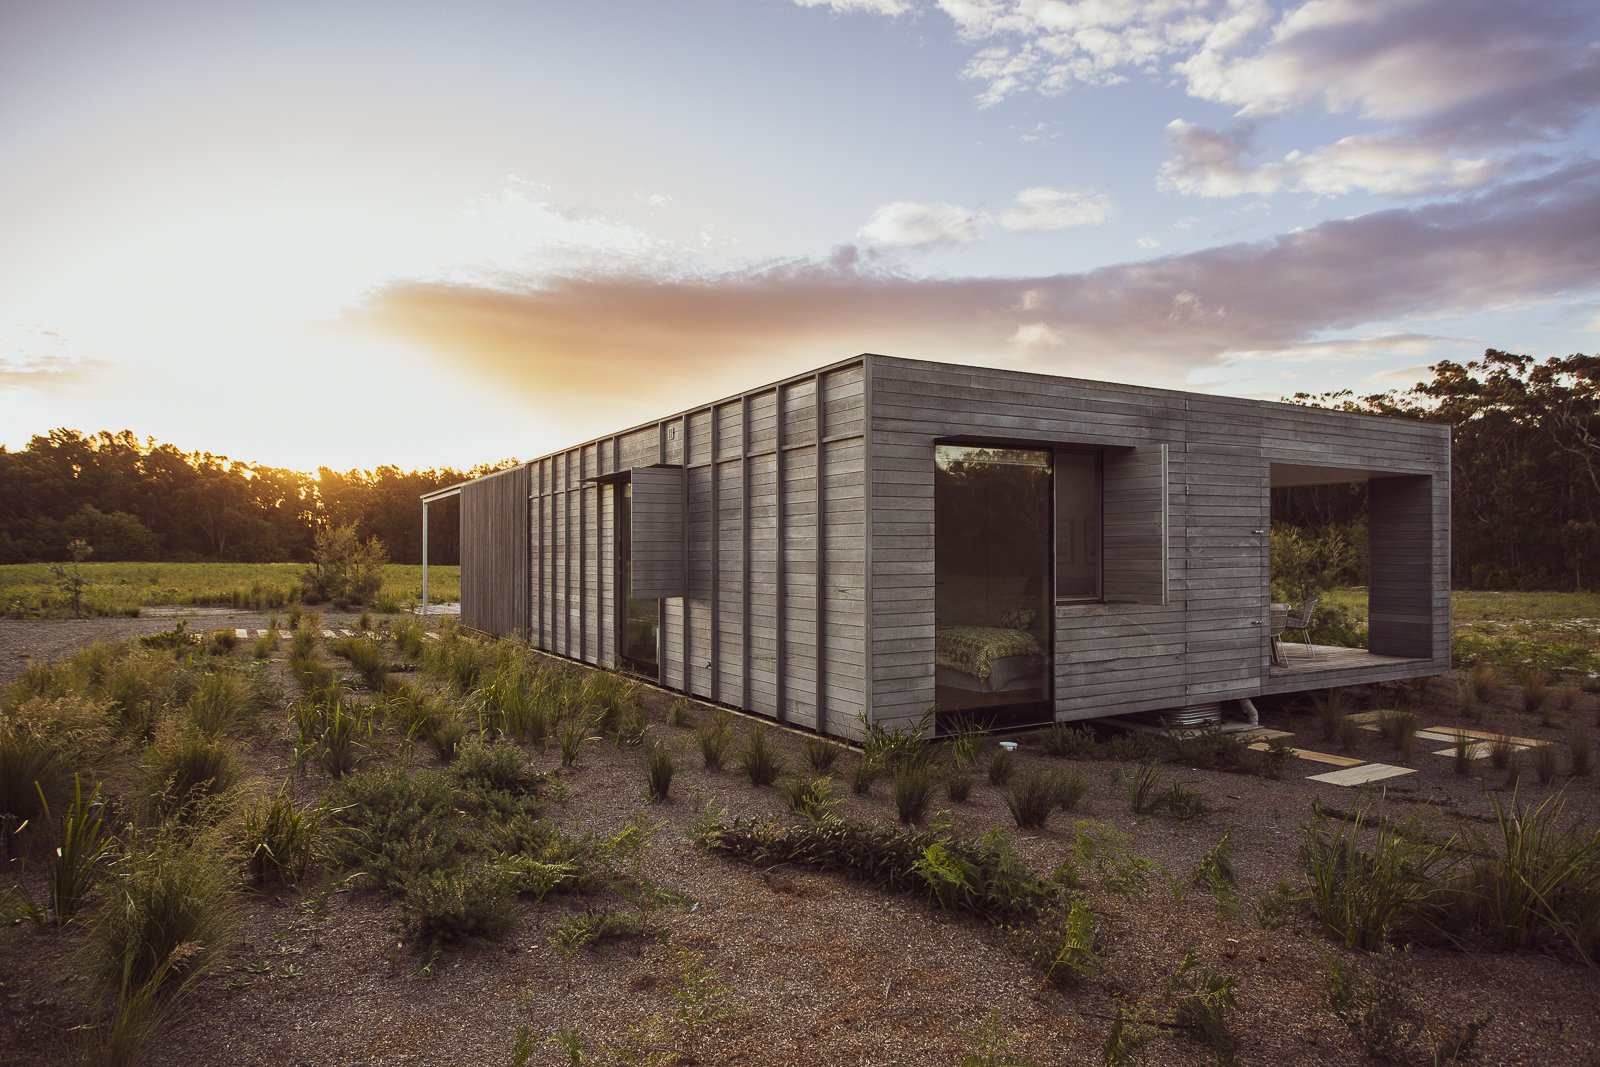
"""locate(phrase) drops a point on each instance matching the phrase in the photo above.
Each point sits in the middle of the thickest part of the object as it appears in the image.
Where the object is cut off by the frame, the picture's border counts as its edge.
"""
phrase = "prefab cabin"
(884, 535)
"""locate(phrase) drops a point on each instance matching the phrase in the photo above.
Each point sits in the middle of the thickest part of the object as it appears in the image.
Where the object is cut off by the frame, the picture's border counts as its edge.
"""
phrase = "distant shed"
(884, 535)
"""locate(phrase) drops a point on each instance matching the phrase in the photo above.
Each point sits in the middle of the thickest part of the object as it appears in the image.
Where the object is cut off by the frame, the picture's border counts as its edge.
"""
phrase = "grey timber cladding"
(768, 539)
(494, 552)
(656, 532)
(1187, 512)
(789, 534)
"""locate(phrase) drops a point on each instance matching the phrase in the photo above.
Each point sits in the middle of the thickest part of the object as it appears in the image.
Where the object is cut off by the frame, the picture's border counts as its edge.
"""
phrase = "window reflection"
(992, 590)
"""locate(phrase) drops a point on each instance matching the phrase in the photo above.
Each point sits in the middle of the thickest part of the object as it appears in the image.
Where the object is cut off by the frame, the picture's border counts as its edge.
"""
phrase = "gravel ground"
(819, 969)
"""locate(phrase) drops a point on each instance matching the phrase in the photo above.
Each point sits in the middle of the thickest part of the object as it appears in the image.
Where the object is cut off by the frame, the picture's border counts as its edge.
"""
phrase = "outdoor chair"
(1280, 622)
(1300, 622)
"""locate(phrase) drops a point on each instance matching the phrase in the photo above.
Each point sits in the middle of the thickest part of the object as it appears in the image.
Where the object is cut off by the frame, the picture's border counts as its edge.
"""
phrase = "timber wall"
(1185, 617)
(494, 552)
(772, 616)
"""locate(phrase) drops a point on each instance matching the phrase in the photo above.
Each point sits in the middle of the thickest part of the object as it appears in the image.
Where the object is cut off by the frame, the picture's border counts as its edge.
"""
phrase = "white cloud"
(1442, 94)
(1044, 208)
(904, 224)
(1515, 246)
(1147, 243)
(909, 224)
(1406, 60)
(871, 7)
(1213, 163)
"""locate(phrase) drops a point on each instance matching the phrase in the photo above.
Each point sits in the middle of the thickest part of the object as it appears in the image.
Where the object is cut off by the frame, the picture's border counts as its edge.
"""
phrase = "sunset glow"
(355, 234)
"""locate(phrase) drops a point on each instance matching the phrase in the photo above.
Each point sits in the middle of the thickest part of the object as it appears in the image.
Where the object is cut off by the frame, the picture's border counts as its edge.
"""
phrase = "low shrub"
(810, 796)
(983, 875)
(1331, 707)
(82, 843)
(220, 704)
(1134, 746)
(958, 784)
(1364, 896)
(891, 747)
(1067, 948)
(592, 929)
(575, 731)
(1387, 1019)
(1075, 742)
(170, 917)
(716, 738)
(187, 774)
(1002, 765)
(759, 760)
(367, 657)
(1546, 761)
(911, 787)
(44, 742)
(1580, 749)
(443, 906)
(680, 714)
(1031, 798)
(821, 754)
(498, 764)
(863, 774)
(280, 840)
(1535, 884)
(659, 771)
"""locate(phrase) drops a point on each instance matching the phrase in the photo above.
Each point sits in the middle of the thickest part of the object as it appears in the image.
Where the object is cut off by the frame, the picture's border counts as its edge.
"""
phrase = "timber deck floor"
(1327, 658)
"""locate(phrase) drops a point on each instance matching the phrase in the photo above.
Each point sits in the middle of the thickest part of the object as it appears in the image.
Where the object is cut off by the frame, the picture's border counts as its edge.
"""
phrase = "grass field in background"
(29, 590)
(1551, 630)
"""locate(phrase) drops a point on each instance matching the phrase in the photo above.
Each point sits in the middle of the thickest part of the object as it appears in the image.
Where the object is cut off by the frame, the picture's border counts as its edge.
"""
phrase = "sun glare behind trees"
(133, 500)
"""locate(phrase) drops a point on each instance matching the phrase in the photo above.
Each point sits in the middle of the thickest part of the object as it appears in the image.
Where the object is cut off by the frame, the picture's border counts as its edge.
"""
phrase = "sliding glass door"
(993, 546)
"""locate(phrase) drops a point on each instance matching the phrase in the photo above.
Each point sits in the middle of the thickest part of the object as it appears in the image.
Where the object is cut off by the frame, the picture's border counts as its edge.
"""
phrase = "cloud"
(1410, 60)
(1043, 208)
(1048, 46)
(903, 224)
(1213, 163)
(1442, 95)
(634, 344)
(849, 7)
(47, 373)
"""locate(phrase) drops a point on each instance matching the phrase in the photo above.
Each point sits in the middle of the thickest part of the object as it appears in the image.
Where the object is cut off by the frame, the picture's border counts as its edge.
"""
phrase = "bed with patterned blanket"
(987, 659)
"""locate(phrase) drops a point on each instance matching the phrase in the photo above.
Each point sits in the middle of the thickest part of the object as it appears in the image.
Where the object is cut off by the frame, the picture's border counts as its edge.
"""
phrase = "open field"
(1554, 631)
(471, 900)
(30, 590)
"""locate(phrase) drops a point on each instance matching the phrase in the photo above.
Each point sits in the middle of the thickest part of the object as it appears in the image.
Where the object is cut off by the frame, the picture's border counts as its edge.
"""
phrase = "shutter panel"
(657, 532)
(1135, 535)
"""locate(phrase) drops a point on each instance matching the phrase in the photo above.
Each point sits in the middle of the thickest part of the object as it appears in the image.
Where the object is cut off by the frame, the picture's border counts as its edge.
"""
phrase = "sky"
(346, 233)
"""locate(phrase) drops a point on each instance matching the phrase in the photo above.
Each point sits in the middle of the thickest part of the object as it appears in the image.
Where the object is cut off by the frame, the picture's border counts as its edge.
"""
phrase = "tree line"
(1525, 470)
(143, 500)
(1525, 487)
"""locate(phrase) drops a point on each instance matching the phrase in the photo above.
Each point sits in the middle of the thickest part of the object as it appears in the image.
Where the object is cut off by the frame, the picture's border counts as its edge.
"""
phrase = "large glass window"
(1078, 525)
(992, 580)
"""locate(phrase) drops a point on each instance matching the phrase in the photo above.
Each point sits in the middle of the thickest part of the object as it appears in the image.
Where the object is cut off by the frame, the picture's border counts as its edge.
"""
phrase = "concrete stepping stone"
(347, 633)
(1315, 757)
(1450, 732)
(1476, 750)
(329, 634)
(1361, 775)
(241, 633)
(431, 636)
(1264, 733)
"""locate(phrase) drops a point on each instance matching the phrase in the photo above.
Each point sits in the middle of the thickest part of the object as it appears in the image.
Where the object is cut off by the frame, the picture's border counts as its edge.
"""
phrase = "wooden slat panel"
(495, 557)
(657, 528)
